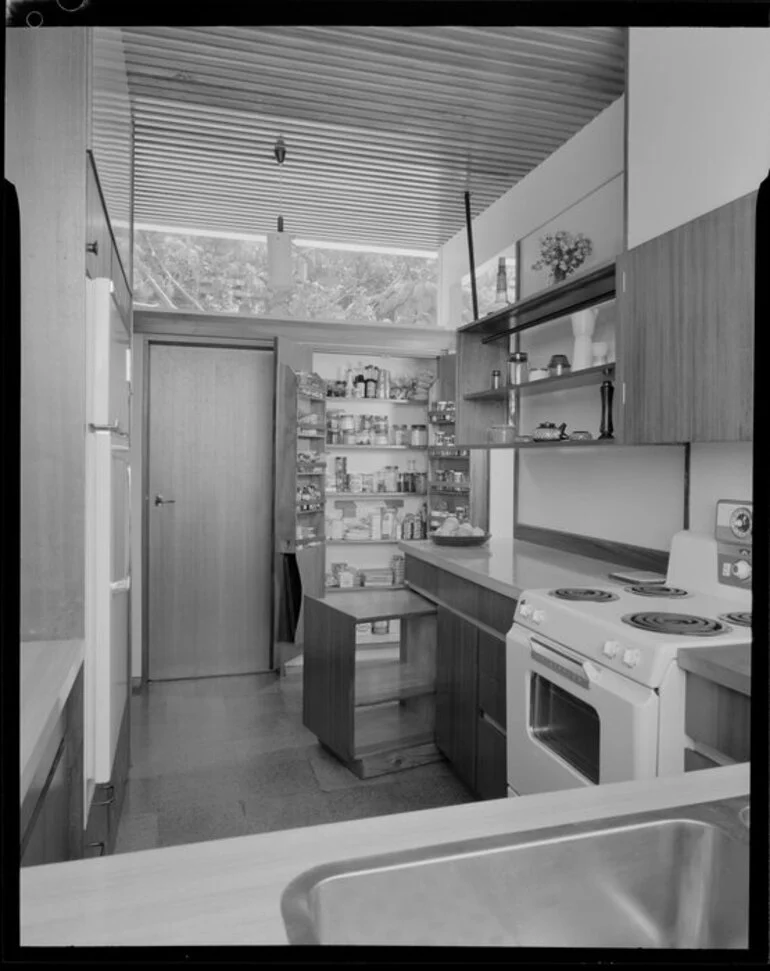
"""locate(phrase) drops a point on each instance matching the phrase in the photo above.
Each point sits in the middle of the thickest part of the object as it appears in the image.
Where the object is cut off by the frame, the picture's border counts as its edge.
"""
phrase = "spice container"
(495, 379)
(517, 368)
(419, 435)
(558, 365)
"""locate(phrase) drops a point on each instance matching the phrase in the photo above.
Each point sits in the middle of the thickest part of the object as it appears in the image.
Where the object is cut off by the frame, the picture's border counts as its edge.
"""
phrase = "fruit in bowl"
(454, 532)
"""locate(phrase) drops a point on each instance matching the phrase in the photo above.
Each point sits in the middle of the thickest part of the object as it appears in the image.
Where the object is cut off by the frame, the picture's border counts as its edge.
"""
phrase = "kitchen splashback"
(629, 495)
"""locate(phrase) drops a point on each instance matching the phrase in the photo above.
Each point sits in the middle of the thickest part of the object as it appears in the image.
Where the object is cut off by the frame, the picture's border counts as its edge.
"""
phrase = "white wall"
(501, 466)
(699, 122)
(589, 159)
(629, 495)
(717, 471)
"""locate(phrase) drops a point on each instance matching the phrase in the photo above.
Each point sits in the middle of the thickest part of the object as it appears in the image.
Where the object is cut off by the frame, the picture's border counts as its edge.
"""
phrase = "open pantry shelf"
(366, 589)
(390, 681)
(361, 542)
(390, 726)
(414, 402)
(375, 448)
(374, 495)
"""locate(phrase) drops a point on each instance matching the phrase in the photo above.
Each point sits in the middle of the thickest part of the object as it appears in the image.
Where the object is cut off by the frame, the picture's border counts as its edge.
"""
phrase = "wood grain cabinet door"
(685, 331)
(456, 693)
(491, 764)
(721, 250)
(654, 360)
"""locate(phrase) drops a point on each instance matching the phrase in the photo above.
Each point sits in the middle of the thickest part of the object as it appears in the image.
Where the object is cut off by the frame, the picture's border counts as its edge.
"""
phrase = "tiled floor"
(221, 757)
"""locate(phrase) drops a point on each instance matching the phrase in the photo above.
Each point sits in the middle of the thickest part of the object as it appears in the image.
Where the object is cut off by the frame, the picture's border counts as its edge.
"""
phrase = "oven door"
(572, 722)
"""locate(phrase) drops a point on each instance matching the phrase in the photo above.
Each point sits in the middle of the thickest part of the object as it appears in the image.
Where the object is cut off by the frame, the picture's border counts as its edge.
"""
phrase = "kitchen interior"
(518, 714)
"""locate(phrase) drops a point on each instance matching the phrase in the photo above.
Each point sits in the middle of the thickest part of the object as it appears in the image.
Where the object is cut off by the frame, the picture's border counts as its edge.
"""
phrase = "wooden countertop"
(228, 891)
(510, 566)
(729, 666)
(48, 671)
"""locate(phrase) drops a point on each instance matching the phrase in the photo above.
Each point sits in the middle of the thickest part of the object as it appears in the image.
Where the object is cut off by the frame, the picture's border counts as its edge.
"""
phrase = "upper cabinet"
(685, 335)
(111, 135)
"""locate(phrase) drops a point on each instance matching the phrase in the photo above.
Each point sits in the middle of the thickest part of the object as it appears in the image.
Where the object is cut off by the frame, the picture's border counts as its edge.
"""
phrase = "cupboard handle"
(93, 248)
(107, 802)
(100, 844)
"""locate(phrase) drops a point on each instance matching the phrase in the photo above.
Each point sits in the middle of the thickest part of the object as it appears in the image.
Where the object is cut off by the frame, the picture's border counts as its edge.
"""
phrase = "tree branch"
(176, 283)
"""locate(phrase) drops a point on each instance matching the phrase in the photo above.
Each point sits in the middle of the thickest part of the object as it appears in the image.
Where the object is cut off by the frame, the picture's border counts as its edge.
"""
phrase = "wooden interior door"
(210, 541)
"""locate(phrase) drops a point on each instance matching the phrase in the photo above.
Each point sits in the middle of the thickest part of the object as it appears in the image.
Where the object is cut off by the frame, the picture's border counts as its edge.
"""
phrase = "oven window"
(566, 725)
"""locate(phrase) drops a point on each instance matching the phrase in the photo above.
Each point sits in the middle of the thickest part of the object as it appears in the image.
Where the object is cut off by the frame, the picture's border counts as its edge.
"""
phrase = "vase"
(559, 276)
(583, 323)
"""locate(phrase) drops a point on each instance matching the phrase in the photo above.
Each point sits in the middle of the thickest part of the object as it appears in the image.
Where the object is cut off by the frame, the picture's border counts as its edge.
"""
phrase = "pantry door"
(209, 510)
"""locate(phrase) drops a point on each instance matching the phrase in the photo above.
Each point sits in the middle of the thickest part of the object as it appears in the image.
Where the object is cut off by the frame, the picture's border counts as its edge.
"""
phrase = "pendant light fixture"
(279, 272)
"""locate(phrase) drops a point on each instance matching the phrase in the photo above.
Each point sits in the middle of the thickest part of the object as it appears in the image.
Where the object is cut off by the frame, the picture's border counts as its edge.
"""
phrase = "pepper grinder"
(607, 391)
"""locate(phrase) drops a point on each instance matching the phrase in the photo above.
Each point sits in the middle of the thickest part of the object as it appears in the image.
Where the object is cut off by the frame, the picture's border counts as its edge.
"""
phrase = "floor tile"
(200, 821)
(137, 831)
(267, 813)
(221, 757)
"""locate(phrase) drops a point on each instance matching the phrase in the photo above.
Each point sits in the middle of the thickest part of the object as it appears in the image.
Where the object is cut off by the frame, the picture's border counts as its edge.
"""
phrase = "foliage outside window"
(218, 274)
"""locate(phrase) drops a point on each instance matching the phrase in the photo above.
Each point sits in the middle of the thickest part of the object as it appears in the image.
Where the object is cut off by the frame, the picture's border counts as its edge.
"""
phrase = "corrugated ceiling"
(385, 127)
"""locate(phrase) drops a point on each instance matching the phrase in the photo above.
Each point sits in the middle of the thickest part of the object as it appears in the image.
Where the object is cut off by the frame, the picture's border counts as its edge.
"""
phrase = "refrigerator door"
(108, 574)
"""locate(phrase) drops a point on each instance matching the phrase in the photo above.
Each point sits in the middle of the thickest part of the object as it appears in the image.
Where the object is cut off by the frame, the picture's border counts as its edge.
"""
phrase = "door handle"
(160, 501)
(114, 428)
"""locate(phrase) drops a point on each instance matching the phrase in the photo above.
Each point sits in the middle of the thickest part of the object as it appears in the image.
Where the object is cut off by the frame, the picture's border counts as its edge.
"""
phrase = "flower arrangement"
(562, 253)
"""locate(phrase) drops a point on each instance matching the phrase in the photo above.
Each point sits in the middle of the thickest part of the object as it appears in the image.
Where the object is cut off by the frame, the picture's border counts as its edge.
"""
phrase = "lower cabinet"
(456, 673)
(718, 722)
(470, 703)
(51, 829)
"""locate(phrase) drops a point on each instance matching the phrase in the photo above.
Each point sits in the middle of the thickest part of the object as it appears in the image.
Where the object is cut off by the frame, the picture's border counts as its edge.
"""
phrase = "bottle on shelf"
(350, 383)
(360, 384)
(501, 287)
(371, 381)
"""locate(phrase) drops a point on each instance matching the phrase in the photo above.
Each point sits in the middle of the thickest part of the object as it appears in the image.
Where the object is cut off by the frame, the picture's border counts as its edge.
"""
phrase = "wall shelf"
(558, 300)
(544, 446)
(575, 379)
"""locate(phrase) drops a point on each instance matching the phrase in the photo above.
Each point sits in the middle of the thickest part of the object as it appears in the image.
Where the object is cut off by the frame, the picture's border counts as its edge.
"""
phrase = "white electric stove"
(594, 691)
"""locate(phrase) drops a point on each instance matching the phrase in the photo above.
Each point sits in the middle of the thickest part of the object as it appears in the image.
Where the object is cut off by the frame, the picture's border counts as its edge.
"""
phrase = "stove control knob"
(538, 617)
(526, 610)
(742, 570)
(610, 648)
(631, 658)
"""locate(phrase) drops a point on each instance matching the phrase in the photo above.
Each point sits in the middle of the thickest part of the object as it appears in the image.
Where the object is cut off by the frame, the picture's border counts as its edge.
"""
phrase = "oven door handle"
(581, 672)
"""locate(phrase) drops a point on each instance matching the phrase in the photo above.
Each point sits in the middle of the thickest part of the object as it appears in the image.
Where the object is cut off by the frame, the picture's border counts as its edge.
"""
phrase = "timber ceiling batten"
(388, 125)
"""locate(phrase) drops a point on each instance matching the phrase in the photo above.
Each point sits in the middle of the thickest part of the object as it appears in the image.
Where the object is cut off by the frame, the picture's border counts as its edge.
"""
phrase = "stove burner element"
(660, 622)
(656, 590)
(583, 593)
(740, 618)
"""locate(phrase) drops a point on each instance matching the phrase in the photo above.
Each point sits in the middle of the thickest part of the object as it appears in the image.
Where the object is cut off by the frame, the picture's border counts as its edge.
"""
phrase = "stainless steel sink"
(673, 879)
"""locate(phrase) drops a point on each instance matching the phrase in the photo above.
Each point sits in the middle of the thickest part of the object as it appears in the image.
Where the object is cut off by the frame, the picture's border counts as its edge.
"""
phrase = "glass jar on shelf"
(391, 478)
(419, 435)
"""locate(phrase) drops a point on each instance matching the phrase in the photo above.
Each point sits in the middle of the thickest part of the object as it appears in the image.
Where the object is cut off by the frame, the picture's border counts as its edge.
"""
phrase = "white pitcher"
(583, 323)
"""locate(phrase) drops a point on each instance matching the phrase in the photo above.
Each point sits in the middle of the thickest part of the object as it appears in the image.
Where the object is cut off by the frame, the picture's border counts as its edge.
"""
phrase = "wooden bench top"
(377, 605)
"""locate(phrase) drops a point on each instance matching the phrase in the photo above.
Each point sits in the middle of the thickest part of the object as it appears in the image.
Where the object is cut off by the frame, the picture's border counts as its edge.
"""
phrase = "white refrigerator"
(108, 532)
